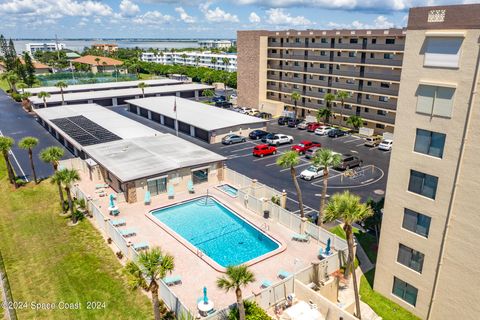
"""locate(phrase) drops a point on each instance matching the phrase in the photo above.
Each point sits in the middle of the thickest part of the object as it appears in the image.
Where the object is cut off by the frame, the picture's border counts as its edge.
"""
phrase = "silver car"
(233, 138)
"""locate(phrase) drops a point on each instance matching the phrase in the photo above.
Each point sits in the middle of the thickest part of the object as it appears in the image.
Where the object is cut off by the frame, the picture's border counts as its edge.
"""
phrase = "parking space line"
(16, 161)
(236, 144)
(374, 148)
(297, 166)
(358, 145)
(247, 148)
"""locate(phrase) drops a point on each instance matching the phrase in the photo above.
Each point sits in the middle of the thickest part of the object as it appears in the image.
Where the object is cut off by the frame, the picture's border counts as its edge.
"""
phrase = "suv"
(292, 123)
(323, 130)
(304, 145)
(373, 141)
(283, 120)
(223, 104)
(268, 136)
(349, 161)
(279, 139)
(264, 150)
(334, 133)
(257, 134)
(311, 173)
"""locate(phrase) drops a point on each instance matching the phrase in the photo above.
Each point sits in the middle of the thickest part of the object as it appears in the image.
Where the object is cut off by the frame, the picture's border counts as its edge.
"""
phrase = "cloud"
(217, 14)
(254, 18)
(129, 8)
(278, 16)
(380, 22)
(184, 15)
(152, 18)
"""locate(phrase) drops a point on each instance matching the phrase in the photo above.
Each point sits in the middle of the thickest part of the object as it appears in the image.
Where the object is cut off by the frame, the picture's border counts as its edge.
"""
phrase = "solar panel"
(85, 131)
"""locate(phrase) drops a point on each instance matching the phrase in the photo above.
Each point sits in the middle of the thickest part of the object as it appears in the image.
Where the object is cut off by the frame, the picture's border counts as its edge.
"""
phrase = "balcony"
(315, 94)
(294, 45)
(393, 91)
(385, 62)
(318, 58)
(348, 73)
(299, 68)
(317, 82)
(349, 45)
(273, 76)
(343, 85)
(374, 102)
(314, 104)
(274, 87)
(293, 79)
(317, 70)
(388, 47)
(319, 45)
(356, 59)
(382, 76)
(274, 55)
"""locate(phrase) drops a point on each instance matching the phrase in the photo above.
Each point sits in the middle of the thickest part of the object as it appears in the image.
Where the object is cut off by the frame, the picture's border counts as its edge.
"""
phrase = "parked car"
(224, 104)
(323, 130)
(233, 96)
(252, 112)
(310, 153)
(236, 109)
(292, 123)
(265, 115)
(219, 98)
(373, 141)
(257, 134)
(279, 139)
(283, 120)
(386, 145)
(312, 126)
(335, 133)
(255, 114)
(264, 150)
(268, 136)
(311, 173)
(245, 110)
(233, 138)
(303, 125)
(349, 161)
(304, 145)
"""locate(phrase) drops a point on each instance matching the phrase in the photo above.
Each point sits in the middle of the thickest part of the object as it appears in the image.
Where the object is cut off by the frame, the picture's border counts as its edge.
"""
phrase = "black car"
(223, 104)
(219, 98)
(336, 133)
(257, 134)
(268, 136)
(292, 123)
(283, 120)
(265, 115)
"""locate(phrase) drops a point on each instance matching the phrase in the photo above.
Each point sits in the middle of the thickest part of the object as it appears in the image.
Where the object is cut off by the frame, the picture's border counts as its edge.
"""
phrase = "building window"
(367, 97)
(379, 126)
(337, 67)
(366, 110)
(384, 84)
(429, 142)
(321, 78)
(388, 56)
(297, 40)
(374, 41)
(339, 40)
(352, 54)
(382, 112)
(423, 184)
(353, 40)
(322, 65)
(435, 101)
(390, 41)
(286, 51)
(295, 86)
(405, 291)
(323, 40)
(369, 83)
(350, 81)
(372, 55)
(410, 258)
(274, 39)
(157, 185)
(339, 54)
(287, 40)
(313, 40)
(323, 53)
(416, 222)
(442, 52)
(295, 75)
(274, 50)
(348, 107)
(383, 98)
(296, 64)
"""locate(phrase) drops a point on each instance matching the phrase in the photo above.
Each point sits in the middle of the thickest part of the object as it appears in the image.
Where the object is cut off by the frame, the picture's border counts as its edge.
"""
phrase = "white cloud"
(184, 15)
(217, 14)
(380, 22)
(279, 17)
(152, 18)
(129, 8)
(254, 18)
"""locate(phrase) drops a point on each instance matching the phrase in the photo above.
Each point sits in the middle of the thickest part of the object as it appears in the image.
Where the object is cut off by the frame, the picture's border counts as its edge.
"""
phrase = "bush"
(78, 215)
(20, 182)
(16, 96)
(252, 312)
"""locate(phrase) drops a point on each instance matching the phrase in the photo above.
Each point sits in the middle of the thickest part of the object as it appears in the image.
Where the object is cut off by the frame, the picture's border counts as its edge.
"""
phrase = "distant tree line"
(16, 71)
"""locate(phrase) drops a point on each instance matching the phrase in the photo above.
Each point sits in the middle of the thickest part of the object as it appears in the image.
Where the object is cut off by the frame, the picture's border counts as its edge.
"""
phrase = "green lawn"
(49, 262)
(145, 76)
(385, 308)
(367, 241)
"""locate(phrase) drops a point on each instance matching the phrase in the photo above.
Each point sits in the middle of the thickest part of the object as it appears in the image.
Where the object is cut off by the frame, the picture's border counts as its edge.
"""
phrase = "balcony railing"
(374, 102)
(387, 62)
(343, 85)
(319, 45)
(393, 91)
(348, 45)
(356, 59)
(392, 47)
(382, 75)
(351, 73)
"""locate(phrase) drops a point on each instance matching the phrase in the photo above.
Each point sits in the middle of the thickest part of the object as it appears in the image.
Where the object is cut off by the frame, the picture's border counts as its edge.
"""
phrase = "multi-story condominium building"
(365, 63)
(44, 47)
(218, 61)
(107, 47)
(426, 260)
(215, 44)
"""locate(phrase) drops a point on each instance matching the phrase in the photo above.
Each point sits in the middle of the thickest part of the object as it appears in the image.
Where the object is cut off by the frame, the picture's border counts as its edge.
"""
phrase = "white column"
(162, 120)
(149, 114)
(138, 110)
(90, 101)
(177, 94)
(114, 102)
(192, 131)
(196, 95)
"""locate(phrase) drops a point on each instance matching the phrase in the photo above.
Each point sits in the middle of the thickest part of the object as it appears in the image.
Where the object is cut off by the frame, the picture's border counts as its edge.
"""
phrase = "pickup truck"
(279, 139)
(304, 145)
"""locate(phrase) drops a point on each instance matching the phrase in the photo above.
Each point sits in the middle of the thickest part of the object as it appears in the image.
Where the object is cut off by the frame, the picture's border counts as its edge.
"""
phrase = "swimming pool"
(216, 230)
(228, 189)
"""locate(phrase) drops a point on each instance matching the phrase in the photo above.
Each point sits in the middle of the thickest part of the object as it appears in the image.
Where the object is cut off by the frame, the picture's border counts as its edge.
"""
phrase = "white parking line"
(374, 148)
(236, 144)
(247, 148)
(297, 166)
(354, 140)
(16, 161)
(358, 145)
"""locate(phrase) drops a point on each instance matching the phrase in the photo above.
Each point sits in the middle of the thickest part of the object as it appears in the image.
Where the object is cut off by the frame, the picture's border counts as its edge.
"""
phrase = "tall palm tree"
(342, 96)
(184, 57)
(355, 121)
(288, 161)
(44, 95)
(11, 78)
(226, 62)
(347, 207)
(22, 86)
(325, 158)
(62, 85)
(53, 155)
(323, 113)
(142, 86)
(6, 143)
(214, 62)
(152, 266)
(329, 97)
(67, 177)
(295, 97)
(28, 143)
(235, 278)
(197, 60)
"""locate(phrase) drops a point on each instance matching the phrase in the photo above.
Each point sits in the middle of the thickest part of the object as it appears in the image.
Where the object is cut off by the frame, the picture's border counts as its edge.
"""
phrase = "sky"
(195, 18)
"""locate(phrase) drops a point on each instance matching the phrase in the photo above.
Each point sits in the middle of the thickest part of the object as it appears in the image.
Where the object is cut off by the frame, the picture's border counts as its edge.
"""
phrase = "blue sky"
(194, 18)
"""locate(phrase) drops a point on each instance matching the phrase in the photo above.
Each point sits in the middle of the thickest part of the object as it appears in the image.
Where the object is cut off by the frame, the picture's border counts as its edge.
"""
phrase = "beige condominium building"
(365, 63)
(427, 259)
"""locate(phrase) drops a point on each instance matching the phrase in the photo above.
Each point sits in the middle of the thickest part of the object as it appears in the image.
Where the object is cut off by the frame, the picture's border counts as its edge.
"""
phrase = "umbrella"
(112, 203)
(205, 298)
(327, 249)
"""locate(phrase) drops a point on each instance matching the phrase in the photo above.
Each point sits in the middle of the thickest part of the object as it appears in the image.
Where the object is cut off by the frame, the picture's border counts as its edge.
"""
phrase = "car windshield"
(385, 142)
(312, 169)
(301, 145)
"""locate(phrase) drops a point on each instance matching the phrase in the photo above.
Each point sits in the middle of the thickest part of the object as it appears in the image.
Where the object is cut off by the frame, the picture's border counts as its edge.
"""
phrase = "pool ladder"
(265, 226)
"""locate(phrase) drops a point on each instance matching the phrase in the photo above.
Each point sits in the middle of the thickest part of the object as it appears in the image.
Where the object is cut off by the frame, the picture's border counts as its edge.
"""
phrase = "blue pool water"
(216, 230)
(228, 189)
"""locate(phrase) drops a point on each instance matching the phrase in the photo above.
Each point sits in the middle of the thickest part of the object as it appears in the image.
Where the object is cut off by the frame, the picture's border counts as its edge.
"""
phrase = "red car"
(304, 145)
(313, 126)
(264, 150)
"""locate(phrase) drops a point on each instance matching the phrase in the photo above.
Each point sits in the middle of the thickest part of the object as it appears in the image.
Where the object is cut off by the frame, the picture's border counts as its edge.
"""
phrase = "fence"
(170, 299)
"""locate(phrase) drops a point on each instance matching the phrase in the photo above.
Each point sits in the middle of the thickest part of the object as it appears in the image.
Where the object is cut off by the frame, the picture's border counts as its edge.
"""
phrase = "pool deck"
(194, 271)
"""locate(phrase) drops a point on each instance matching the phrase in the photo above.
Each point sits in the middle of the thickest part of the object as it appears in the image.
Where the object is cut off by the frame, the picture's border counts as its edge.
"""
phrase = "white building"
(216, 61)
(44, 47)
(217, 44)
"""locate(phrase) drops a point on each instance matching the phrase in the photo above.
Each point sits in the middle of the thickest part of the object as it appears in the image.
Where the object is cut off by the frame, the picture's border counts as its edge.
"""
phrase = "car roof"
(388, 140)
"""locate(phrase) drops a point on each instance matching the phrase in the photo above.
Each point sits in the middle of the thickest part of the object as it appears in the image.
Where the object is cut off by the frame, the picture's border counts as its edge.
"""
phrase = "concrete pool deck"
(194, 271)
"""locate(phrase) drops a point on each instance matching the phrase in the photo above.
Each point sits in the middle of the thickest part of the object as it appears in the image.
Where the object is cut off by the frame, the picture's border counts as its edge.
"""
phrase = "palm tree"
(184, 57)
(53, 155)
(355, 121)
(235, 278)
(142, 86)
(214, 62)
(197, 61)
(323, 113)
(342, 96)
(67, 177)
(28, 143)
(347, 207)
(22, 86)
(153, 265)
(325, 158)
(44, 95)
(61, 85)
(288, 161)
(6, 143)
(25, 102)
(329, 97)
(97, 60)
(295, 97)
(226, 62)
(11, 78)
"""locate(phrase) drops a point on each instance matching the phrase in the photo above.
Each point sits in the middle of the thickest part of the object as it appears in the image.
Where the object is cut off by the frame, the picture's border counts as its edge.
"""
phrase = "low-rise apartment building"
(215, 44)
(107, 47)
(217, 61)
(33, 47)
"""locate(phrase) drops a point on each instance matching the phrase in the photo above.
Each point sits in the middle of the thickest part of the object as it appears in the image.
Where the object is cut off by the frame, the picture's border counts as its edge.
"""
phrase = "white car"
(311, 173)
(386, 145)
(251, 112)
(323, 130)
(245, 110)
(279, 139)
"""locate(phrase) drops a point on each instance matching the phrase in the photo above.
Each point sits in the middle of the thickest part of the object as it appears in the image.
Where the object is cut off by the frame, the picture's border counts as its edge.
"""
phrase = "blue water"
(217, 231)
(228, 189)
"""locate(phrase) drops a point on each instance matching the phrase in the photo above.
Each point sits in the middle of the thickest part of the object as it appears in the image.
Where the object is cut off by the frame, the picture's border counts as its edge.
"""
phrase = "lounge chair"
(101, 185)
(173, 280)
(102, 194)
(127, 232)
(119, 222)
(115, 212)
(282, 274)
(140, 246)
(266, 284)
(190, 186)
(301, 237)
(171, 192)
(147, 198)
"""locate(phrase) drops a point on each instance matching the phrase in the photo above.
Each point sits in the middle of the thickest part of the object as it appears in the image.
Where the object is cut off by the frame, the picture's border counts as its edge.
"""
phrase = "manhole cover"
(379, 191)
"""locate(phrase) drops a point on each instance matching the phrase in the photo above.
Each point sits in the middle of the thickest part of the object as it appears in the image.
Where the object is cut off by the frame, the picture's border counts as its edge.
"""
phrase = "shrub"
(276, 200)
(16, 96)
(20, 182)
(252, 312)
(119, 254)
(78, 215)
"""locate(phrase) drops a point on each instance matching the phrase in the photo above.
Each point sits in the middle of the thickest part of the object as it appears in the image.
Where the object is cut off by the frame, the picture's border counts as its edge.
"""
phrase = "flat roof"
(119, 125)
(144, 157)
(194, 113)
(104, 85)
